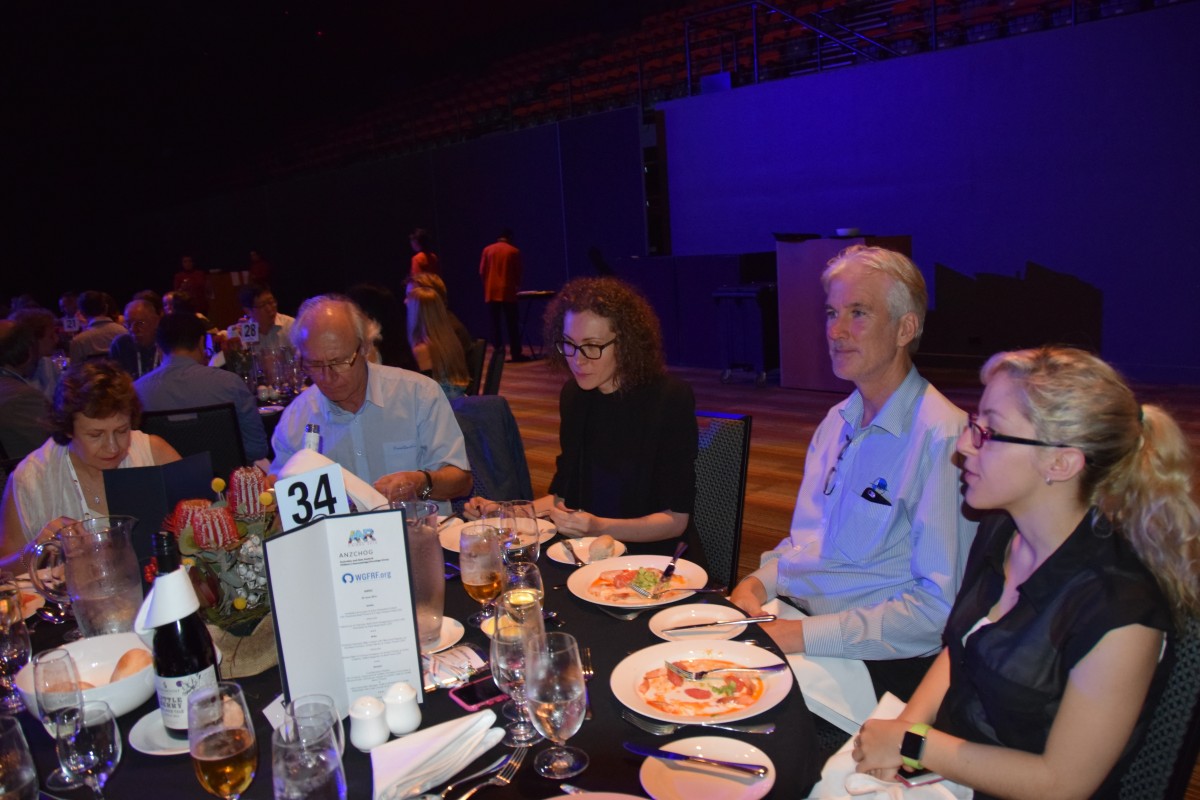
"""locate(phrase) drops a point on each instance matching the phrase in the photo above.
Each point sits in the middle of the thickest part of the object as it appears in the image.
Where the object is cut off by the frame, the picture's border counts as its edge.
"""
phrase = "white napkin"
(839, 781)
(838, 690)
(412, 764)
(362, 493)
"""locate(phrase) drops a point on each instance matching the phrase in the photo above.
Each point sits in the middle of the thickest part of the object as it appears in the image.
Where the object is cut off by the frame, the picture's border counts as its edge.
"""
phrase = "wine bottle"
(184, 656)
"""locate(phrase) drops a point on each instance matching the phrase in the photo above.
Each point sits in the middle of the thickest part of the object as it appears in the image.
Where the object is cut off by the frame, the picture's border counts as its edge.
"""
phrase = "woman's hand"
(478, 507)
(574, 523)
(877, 747)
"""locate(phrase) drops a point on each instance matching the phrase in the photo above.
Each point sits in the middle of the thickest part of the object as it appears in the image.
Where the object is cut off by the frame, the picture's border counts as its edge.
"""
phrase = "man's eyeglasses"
(831, 478)
(590, 351)
(269, 302)
(316, 369)
(980, 434)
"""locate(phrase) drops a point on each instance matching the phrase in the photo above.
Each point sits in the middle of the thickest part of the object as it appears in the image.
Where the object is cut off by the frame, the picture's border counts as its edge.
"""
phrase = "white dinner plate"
(629, 673)
(694, 614)
(687, 780)
(448, 535)
(558, 550)
(580, 581)
(452, 632)
(149, 736)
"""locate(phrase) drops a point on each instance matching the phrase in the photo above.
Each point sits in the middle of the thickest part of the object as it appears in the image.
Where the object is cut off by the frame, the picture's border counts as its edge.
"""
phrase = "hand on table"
(877, 747)
(574, 523)
(400, 485)
(479, 507)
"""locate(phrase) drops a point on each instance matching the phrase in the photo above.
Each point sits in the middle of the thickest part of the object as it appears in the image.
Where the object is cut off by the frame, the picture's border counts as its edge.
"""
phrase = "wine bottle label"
(173, 694)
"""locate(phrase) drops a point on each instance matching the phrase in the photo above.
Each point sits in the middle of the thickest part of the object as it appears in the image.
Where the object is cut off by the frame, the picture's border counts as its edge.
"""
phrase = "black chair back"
(495, 368)
(721, 462)
(475, 357)
(209, 429)
(494, 448)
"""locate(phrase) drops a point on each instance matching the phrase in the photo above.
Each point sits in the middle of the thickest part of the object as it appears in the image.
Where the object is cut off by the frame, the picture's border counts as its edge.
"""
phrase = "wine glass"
(14, 654)
(89, 742)
(221, 739)
(481, 565)
(525, 575)
(519, 534)
(518, 622)
(316, 714)
(56, 687)
(557, 695)
(305, 766)
(18, 777)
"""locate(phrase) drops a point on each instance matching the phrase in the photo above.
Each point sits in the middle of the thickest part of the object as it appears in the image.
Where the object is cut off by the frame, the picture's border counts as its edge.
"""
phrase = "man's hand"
(479, 507)
(749, 595)
(787, 633)
(400, 486)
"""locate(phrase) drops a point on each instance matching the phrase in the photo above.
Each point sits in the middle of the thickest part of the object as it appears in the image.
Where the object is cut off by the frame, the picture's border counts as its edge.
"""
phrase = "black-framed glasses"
(590, 351)
(980, 434)
(318, 368)
(831, 478)
(269, 302)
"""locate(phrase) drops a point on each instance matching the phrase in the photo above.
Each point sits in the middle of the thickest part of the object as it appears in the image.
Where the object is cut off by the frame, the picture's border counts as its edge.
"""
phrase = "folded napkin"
(412, 764)
(362, 493)
(839, 781)
(838, 690)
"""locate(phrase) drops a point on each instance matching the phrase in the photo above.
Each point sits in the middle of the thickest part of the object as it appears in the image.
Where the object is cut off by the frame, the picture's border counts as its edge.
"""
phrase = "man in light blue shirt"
(391, 427)
(183, 381)
(878, 541)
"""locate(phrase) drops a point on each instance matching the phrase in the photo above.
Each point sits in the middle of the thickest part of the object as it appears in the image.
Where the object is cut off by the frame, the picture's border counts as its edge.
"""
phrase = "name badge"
(317, 493)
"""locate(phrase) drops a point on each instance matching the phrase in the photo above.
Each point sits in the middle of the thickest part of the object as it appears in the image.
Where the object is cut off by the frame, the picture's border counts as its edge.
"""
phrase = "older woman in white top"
(95, 412)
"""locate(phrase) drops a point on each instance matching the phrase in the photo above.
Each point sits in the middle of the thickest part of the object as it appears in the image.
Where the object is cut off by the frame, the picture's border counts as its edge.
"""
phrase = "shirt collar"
(896, 416)
(375, 395)
(1060, 568)
(175, 361)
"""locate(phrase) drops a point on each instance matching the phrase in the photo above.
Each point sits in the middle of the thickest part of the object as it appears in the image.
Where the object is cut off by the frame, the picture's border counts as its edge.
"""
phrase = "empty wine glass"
(518, 622)
(557, 697)
(519, 534)
(315, 714)
(56, 687)
(89, 742)
(481, 565)
(306, 767)
(14, 654)
(221, 739)
(18, 777)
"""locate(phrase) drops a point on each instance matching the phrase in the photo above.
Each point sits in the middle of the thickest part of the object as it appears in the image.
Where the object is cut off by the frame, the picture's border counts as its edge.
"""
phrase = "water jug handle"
(36, 550)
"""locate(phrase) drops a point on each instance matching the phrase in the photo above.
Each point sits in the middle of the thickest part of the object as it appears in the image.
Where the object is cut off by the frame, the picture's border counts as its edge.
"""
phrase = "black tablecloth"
(792, 747)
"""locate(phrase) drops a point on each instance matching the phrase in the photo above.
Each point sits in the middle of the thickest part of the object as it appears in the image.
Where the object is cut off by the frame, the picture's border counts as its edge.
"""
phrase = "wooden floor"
(784, 420)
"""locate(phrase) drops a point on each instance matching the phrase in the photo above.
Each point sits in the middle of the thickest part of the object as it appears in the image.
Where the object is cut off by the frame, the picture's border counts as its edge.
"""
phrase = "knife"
(665, 580)
(743, 621)
(757, 770)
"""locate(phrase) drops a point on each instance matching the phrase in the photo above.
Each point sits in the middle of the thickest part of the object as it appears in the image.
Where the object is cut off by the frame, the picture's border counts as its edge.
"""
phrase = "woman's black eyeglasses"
(590, 351)
(980, 434)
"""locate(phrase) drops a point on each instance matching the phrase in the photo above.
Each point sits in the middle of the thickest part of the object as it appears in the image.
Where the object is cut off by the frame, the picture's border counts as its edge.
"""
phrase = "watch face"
(912, 746)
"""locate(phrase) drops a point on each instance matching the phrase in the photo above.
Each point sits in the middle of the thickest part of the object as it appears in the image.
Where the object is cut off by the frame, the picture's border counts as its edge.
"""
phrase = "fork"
(503, 777)
(569, 545)
(585, 656)
(667, 728)
(498, 764)
(689, 675)
(702, 590)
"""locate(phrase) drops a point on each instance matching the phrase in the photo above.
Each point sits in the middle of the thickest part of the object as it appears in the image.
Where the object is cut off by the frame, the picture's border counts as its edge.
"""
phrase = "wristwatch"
(428, 490)
(912, 747)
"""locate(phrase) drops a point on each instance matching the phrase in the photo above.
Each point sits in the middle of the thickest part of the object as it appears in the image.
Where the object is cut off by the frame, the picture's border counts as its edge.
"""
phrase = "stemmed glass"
(14, 654)
(89, 742)
(481, 565)
(56, 687)
(519, 536)
(315, 714)
(18, 777)
(557, 695)
(221, 739)
(518, 622)
(306, 765)
(527, 576)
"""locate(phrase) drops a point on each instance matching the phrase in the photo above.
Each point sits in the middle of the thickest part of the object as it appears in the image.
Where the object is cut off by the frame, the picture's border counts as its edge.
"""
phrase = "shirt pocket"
(862, 534)
(401, 456)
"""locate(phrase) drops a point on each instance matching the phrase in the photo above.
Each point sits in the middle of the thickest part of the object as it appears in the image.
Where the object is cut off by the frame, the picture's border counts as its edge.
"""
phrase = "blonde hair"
(906, 295)
(1138, 468)
(432, 327)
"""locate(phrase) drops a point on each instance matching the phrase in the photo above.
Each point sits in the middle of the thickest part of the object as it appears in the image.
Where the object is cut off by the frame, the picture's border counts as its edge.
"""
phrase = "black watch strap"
(428, 490)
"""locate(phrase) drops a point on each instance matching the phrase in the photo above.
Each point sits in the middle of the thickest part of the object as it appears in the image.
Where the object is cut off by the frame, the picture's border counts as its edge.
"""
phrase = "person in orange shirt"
(500, 269)
(424, 259)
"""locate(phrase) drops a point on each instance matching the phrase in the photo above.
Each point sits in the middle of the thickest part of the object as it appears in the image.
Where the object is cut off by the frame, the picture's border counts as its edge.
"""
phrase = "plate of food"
(642, 682)
(31, 601)
(448, 535)
(610, 582)
(589, 548)
(696, 614)
(683, 780)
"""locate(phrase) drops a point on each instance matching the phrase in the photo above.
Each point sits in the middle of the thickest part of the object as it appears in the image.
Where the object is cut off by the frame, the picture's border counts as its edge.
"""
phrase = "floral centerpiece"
(221, 542)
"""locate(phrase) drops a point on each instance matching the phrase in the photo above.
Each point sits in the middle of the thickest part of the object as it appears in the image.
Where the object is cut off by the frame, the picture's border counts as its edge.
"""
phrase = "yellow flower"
(218, 484)
(267, 499)
(188, 562)
(239, 603)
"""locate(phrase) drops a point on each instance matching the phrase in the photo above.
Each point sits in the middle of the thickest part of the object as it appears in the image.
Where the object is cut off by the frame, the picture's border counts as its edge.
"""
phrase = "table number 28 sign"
(309, 495)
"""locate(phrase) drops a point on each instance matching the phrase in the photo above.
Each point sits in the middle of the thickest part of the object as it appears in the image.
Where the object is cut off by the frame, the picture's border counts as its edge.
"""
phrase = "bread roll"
(601, 548)
(133, 661)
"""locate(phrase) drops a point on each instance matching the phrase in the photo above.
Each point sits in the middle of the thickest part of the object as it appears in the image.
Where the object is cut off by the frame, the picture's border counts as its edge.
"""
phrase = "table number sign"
(305, 497)
(70, 324)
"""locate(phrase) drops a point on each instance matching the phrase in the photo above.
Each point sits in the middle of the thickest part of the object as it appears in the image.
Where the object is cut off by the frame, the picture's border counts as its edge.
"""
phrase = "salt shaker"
(368, 726)
(403, 713)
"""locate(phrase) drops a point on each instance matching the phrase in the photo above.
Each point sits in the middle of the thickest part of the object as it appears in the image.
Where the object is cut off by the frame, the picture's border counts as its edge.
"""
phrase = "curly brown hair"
(98, 388)
(632, 319)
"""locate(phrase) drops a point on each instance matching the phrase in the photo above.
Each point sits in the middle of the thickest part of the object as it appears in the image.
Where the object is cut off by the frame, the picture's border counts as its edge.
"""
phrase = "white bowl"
(96, 658)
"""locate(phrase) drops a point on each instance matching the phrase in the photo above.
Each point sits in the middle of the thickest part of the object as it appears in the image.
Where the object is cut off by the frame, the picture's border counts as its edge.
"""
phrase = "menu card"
(345, 613)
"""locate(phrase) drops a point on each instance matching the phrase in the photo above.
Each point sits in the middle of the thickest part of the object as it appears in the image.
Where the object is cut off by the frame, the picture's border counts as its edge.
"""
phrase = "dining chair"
(494, 448)
(721, 461)
(210, 429)
(495, 368)
(1162, 764)
(475, 357)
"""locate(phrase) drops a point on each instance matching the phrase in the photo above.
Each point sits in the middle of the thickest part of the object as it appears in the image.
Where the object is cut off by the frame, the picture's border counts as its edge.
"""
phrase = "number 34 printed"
(304, 497)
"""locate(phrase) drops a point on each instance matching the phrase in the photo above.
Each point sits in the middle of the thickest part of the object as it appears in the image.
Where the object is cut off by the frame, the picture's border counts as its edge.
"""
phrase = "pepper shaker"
(368, 727)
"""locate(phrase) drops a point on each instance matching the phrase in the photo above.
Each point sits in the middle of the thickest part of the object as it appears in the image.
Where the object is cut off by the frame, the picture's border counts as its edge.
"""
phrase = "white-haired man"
(388, 426)
(878, 541)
